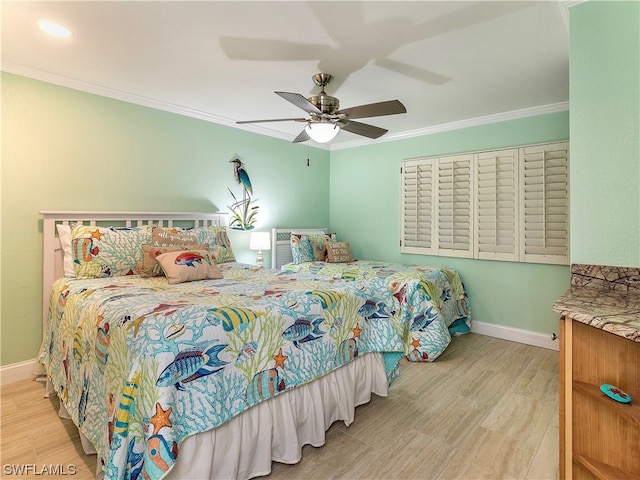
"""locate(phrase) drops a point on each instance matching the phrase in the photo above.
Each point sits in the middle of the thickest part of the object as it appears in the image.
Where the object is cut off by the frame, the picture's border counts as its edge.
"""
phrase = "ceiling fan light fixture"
(322, 132)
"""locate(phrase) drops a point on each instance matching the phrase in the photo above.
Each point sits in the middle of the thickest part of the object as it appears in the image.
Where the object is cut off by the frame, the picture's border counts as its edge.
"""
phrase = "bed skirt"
(277, 429)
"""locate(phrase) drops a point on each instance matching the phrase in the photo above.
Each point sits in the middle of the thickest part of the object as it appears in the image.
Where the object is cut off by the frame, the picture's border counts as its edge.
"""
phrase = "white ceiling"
(448, 62)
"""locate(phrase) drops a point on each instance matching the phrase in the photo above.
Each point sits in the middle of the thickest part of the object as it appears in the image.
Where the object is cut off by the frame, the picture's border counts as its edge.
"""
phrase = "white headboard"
(52, 267)
(281, 244)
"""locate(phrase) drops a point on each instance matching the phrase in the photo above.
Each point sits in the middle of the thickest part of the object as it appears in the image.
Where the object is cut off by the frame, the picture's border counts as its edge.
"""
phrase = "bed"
(213, 377)
(431, 303)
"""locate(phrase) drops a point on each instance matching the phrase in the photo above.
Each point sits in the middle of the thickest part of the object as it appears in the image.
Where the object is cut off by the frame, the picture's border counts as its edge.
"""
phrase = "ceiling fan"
(326, 119)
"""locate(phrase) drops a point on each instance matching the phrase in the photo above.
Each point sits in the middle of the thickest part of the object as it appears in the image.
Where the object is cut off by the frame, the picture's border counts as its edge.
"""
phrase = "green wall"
(605, 133)
(365, 210)
(67, 150)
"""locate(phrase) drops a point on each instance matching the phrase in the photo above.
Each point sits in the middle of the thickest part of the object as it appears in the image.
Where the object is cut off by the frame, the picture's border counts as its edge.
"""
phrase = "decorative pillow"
(173, 237)
(302, 242)
(319, 243)
(338, 252)
(108, 251)
(64, 235)
(214, 236)
(301, 249)
(150, 267)
(219, 244)
(188, 265)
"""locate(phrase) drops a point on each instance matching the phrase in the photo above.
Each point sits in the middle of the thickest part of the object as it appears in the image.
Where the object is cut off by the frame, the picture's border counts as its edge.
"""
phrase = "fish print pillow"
(188, 265)
(150, 267)
(108, 251)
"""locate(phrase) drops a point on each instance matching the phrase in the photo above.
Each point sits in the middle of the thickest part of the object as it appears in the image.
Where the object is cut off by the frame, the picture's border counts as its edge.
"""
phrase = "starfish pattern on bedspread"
(142, 364)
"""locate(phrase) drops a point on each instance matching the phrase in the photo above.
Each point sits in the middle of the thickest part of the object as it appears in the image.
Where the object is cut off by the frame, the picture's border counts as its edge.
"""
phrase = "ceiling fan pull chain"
(308, 152)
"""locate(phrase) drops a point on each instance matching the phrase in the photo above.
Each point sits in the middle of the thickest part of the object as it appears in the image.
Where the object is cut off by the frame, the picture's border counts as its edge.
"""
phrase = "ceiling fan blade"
(391, 107)
(300, 102)
(364, 129)
(275, 120)
(303, 136)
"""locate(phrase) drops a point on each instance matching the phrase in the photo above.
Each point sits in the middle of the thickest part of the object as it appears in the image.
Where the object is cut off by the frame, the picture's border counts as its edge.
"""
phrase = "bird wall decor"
(242, 177)
(244, 214)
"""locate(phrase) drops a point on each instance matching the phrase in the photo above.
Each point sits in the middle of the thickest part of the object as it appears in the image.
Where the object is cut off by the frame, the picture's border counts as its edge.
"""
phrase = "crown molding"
(471, 122)
(110, 93)
(563, 10)
(572, 3)
(261, 130)
(137, 99)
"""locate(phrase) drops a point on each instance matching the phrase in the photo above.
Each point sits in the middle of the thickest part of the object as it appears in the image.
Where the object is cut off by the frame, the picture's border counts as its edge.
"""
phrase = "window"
(544, 213)
(417, 216)
(496, 205)
(509, 204)
(454, 195)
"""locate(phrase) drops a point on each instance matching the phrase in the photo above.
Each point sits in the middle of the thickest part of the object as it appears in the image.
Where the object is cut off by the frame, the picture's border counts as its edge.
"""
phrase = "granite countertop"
(602, 302)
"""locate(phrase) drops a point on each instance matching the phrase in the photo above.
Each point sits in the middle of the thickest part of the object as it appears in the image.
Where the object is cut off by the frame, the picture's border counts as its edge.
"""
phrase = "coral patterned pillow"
(309, 247)
(319, 243)
(301, 249)
(107, 251)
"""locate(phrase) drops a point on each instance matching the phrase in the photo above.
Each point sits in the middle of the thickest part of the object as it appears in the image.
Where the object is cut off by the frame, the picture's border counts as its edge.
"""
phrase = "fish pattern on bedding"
(140, 364)
(433, 301)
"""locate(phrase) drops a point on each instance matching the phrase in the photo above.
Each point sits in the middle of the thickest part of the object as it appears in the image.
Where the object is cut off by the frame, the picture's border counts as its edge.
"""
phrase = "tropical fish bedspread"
(140, 364)
(432, 301)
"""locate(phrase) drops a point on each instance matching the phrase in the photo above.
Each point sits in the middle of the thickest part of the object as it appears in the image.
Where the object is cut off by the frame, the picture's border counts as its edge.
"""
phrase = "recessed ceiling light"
(54, 29)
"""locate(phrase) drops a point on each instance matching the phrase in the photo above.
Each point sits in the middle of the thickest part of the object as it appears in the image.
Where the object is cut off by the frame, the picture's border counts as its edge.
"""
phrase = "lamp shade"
(259, 241)
(322, 132)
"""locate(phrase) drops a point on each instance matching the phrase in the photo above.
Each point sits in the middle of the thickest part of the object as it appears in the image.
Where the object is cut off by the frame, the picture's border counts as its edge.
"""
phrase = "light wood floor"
(486, 409)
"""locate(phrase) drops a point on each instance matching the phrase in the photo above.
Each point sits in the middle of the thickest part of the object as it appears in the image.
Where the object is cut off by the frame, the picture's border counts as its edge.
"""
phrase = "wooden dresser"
(599, 344)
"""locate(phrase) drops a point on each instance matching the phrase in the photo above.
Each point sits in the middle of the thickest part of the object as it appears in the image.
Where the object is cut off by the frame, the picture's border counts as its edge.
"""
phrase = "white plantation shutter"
(496, 205)
(417, 206)
(509, 204)
(544, 214)
(454, 190)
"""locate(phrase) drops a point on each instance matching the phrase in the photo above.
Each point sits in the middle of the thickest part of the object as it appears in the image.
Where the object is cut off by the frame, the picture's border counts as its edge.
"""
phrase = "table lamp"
(259, 241)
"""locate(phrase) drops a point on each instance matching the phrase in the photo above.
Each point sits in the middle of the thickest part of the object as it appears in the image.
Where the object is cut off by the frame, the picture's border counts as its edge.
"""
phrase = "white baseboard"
(16, 372)
(515, 335)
